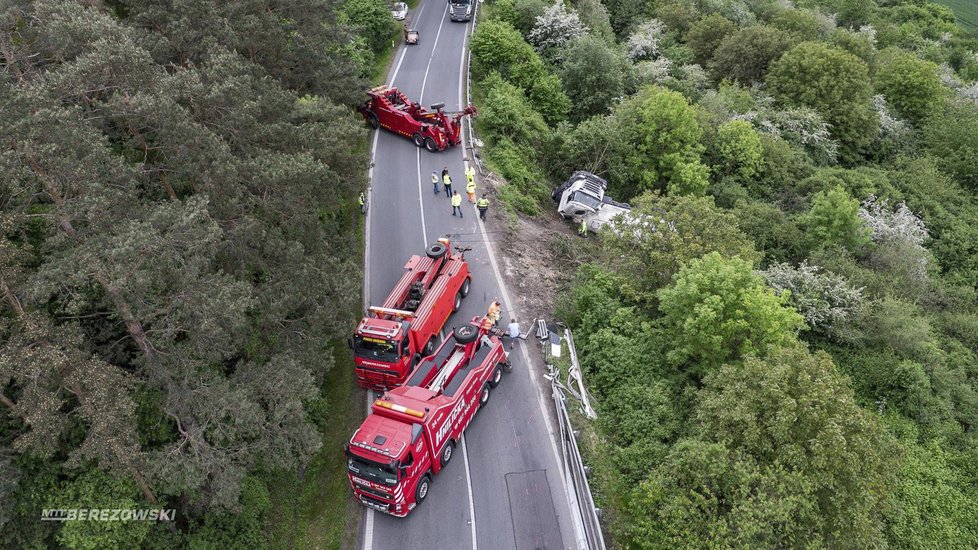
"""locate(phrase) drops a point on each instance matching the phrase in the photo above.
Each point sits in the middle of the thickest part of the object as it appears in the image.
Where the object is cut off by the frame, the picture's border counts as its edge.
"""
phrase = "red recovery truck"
(393, 337)
(413, 430)
(434, 130)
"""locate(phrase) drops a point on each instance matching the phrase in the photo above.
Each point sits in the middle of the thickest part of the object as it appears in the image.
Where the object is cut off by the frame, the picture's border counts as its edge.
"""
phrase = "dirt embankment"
(538, 256)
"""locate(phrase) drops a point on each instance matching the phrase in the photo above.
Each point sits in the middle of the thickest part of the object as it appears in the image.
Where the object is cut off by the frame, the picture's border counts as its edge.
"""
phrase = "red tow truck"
(413, 430)
(434, 130)
(392, 338)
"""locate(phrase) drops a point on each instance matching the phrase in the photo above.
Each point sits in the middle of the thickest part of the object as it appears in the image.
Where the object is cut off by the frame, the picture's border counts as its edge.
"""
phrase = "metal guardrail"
(573, 464)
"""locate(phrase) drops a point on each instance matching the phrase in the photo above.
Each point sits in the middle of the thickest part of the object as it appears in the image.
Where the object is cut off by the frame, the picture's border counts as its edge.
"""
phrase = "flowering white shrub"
(901, 235)
(800, 126)
(644, 42)
(900, 224)
(890, 124)
(655, 71)
(556, 27)
(869, 32)
(965, 91)
(823, 299)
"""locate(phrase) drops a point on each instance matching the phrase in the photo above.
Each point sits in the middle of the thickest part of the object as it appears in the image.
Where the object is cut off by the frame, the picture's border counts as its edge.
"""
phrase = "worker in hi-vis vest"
(470, 190)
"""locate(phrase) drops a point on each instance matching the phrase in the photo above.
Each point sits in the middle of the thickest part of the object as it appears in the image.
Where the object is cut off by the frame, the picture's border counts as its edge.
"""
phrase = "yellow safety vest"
(456, 200)
(483, 203)
(470, 187)
(434, 178)
(448, 179)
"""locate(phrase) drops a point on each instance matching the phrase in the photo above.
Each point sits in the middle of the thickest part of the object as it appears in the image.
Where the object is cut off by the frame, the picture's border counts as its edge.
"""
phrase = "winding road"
(507, 491)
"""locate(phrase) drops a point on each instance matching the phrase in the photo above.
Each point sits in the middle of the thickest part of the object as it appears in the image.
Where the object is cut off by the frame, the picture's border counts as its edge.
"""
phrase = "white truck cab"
(583, 197)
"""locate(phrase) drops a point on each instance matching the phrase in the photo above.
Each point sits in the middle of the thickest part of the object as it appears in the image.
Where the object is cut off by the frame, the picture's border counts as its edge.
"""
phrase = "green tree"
(667, 234)
(373, 19)
(952, 136)
(659, 131)
(836, 84)
(594, 75)
(833, 220)
(911, 85)
(689, 178)
(717, 310)
(739, 150)
(706, 35)
(754, 473)
(97, 490)
(744, 56)
(497, 46)
(508, 114)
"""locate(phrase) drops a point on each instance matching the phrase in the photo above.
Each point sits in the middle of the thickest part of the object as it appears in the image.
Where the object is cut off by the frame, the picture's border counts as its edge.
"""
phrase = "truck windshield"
(378, 350)
(585, 199)
(368, 469)
(459, 2)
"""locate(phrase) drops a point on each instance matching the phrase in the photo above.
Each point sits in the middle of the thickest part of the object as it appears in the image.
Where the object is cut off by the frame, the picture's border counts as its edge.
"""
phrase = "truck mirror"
(349, 343)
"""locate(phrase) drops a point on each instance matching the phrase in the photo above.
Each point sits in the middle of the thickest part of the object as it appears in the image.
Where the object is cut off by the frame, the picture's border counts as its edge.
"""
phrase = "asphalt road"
(506, 492)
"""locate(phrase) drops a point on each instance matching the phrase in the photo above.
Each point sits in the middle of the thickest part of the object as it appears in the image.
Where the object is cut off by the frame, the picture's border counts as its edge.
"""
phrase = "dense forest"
(782, 335)
(179, 243)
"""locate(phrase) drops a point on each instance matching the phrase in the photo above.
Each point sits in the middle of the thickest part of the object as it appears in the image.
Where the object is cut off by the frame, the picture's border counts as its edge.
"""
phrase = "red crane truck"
(435, 130)
(392, 338)
(413, 430)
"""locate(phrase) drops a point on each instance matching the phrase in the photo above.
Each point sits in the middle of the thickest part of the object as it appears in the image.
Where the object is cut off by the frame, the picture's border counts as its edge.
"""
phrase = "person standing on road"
(457, 204)
(483, 206)
(470, 186)
(444, 172)
(494, 312)
(513, 331)
(362, 201)
(448, 184)
(470, 172)
(434, 181)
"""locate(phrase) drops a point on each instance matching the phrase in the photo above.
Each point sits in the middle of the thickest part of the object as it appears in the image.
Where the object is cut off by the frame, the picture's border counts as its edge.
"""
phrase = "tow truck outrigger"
(435, 130)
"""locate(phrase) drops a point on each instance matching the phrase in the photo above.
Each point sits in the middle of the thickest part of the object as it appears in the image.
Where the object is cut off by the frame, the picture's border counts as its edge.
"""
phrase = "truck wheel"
(418, 140)
(465, 286)
(373, 120)
(421, 491)
(429, 348)
(446, 453)
(429, 144)
(484, 395)
(436, 250)
(466, 333)
(458, 302)
(497, 376)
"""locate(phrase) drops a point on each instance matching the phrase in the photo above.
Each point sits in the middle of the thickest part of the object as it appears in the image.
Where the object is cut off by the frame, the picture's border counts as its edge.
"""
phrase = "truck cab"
(460, 10)
(582, 197)
(382, 352)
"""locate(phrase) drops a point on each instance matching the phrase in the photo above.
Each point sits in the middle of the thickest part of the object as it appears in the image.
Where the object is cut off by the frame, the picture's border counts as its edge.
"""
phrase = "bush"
(241, 529)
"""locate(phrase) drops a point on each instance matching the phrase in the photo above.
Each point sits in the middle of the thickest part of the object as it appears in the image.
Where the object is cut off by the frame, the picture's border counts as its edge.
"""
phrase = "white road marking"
(468, 479)
(397, 67)
(424, 229)
(433, 48)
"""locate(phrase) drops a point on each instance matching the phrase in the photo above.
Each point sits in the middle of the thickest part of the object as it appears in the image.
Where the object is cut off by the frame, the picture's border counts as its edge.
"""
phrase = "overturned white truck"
(582, 197)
